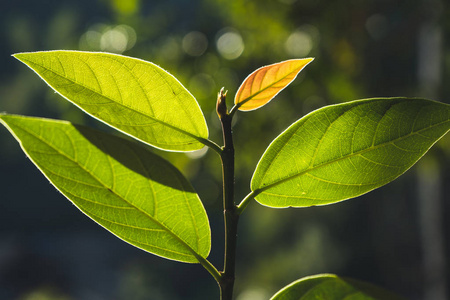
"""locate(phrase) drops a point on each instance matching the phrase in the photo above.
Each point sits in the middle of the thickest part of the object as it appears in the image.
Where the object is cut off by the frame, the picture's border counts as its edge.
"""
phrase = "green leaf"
(343, 151)
(130, 191)
(332, 287)
(131, 95)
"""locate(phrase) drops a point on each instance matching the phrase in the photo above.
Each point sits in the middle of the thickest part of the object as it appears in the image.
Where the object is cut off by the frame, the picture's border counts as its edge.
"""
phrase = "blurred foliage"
(362, 49)
(44, 294)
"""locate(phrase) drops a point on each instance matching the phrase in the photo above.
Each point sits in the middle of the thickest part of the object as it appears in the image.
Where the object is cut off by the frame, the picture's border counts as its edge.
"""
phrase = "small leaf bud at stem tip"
(221, 106)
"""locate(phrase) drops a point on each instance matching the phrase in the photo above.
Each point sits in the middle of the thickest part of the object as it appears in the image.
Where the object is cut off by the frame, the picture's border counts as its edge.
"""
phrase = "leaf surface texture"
(131, 95)
(342, 151)
(130, 191)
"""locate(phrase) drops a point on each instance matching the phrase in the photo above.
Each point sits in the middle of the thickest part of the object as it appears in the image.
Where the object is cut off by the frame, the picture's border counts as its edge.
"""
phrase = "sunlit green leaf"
(342, 151)
(130, 191)
(264, 84)
(132, 95)
(332, 287)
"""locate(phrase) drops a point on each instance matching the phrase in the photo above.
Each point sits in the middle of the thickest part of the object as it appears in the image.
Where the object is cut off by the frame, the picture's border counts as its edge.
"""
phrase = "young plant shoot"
(335, 153)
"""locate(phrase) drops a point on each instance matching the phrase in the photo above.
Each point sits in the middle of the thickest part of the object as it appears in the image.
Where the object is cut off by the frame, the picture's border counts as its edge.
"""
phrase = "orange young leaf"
(265, 83)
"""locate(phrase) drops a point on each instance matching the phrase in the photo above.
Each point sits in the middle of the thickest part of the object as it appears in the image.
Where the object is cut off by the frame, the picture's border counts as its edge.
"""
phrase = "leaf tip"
(17, 55)
(308, 60)
(20, 56)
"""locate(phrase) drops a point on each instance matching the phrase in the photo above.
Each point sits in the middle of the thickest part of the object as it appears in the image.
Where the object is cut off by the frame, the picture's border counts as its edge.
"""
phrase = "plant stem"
(231, 216)
(209, 267)
(234, 109)
(245, 202)
(211, 145)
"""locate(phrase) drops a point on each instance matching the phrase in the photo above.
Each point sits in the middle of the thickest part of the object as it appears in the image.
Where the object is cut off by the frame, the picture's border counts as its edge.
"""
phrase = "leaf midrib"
(354, 154)
(199, 139)
(195, 254)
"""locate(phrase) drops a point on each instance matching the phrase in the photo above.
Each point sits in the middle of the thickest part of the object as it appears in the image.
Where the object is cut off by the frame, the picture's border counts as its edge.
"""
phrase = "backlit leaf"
(130, 191)
(264, 84)
(131, 95)
(332, 287)
(342, 151)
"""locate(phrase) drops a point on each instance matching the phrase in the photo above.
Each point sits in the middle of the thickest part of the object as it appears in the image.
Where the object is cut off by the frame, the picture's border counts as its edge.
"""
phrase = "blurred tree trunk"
(430, 185)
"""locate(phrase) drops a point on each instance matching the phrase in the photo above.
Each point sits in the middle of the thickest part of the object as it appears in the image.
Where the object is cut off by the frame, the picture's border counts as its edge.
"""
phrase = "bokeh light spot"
(169, 49)
(102, 37)
(230, 44)
(92, 39)
(194, 43)
(253, 294)
(377, 26)
(113, 41)
(299, 44)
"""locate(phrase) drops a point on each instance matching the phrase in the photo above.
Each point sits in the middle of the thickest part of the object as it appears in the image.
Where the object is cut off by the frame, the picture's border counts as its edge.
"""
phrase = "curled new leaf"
(130, 191)
(264, 84)
(332, 287)
(129, 94)
(343, 151)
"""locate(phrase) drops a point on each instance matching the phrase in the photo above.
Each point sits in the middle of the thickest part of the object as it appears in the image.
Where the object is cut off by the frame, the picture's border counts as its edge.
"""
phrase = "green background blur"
(397, 237)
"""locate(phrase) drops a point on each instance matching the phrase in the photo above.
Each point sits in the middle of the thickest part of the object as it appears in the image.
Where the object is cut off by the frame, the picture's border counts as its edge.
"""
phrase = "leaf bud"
(221, 106)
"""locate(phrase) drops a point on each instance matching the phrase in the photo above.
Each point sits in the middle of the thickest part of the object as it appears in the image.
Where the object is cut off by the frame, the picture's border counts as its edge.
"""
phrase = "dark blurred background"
(397, 237)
